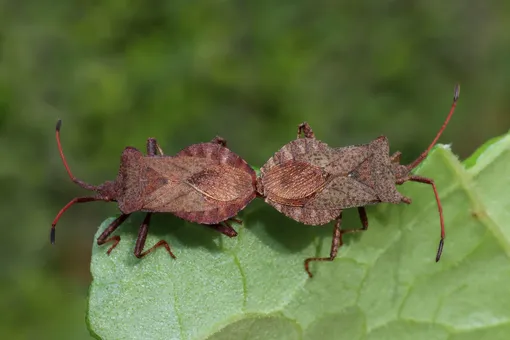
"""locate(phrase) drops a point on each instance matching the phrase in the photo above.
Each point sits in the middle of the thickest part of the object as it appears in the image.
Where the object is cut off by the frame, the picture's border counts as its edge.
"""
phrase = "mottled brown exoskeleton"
(204, 183)
(313, 183)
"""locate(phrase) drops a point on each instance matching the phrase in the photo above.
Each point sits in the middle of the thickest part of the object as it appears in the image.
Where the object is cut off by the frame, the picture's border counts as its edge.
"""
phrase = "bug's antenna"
(75, 180)
(426, 152)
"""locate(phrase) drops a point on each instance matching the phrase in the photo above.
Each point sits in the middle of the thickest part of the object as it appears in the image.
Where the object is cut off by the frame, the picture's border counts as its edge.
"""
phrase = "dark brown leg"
(335, 244)
(67, 206)
(219, 140)
(306, 130)
(153, 147)
(236, 220)
(406, 200)
(337, 241)
(364, 222)
(142, 236)
(104, 237)
(425, 180)
(224, 227)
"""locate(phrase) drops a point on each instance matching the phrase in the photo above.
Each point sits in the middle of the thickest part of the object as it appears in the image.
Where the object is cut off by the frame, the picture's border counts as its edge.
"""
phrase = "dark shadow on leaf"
(249, 328)
(280, 232)
(284, 234)
(351, 220)
(171, 229)
(383, 213)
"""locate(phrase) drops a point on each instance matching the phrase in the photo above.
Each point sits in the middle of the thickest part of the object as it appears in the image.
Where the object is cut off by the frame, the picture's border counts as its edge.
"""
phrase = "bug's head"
(105, 192)
(108, 191)
(399, 170)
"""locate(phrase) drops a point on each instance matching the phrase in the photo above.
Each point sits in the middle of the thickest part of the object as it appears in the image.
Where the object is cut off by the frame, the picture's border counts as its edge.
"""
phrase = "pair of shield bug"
(206, 183)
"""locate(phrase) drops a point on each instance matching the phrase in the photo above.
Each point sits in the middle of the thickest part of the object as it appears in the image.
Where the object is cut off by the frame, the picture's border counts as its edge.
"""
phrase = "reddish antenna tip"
(440, 250)
(456, 92)
(59, 124)
(52, 236)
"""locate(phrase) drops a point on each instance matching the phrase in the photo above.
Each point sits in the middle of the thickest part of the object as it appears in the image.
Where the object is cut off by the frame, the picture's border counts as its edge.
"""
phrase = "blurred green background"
(119, 71)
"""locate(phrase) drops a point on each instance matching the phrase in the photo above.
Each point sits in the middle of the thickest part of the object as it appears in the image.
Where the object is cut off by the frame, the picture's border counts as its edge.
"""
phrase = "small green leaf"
(384, 284)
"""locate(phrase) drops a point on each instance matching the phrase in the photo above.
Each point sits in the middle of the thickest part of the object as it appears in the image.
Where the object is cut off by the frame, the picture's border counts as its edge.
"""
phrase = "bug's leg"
(153, 147)
(306, 130)
(219, 140)
(105, 236)
(400, 181)
(142, 236)
(236, 220)
(335, 244)
(364, 222)
(224, 227)
(429, 181)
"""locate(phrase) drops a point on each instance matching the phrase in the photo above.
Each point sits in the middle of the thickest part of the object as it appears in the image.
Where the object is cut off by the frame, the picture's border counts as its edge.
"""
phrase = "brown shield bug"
(313, 183)
(204, 183)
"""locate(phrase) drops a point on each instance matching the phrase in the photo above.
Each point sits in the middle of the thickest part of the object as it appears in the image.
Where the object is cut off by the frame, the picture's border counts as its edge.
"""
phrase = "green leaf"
(384, 284)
